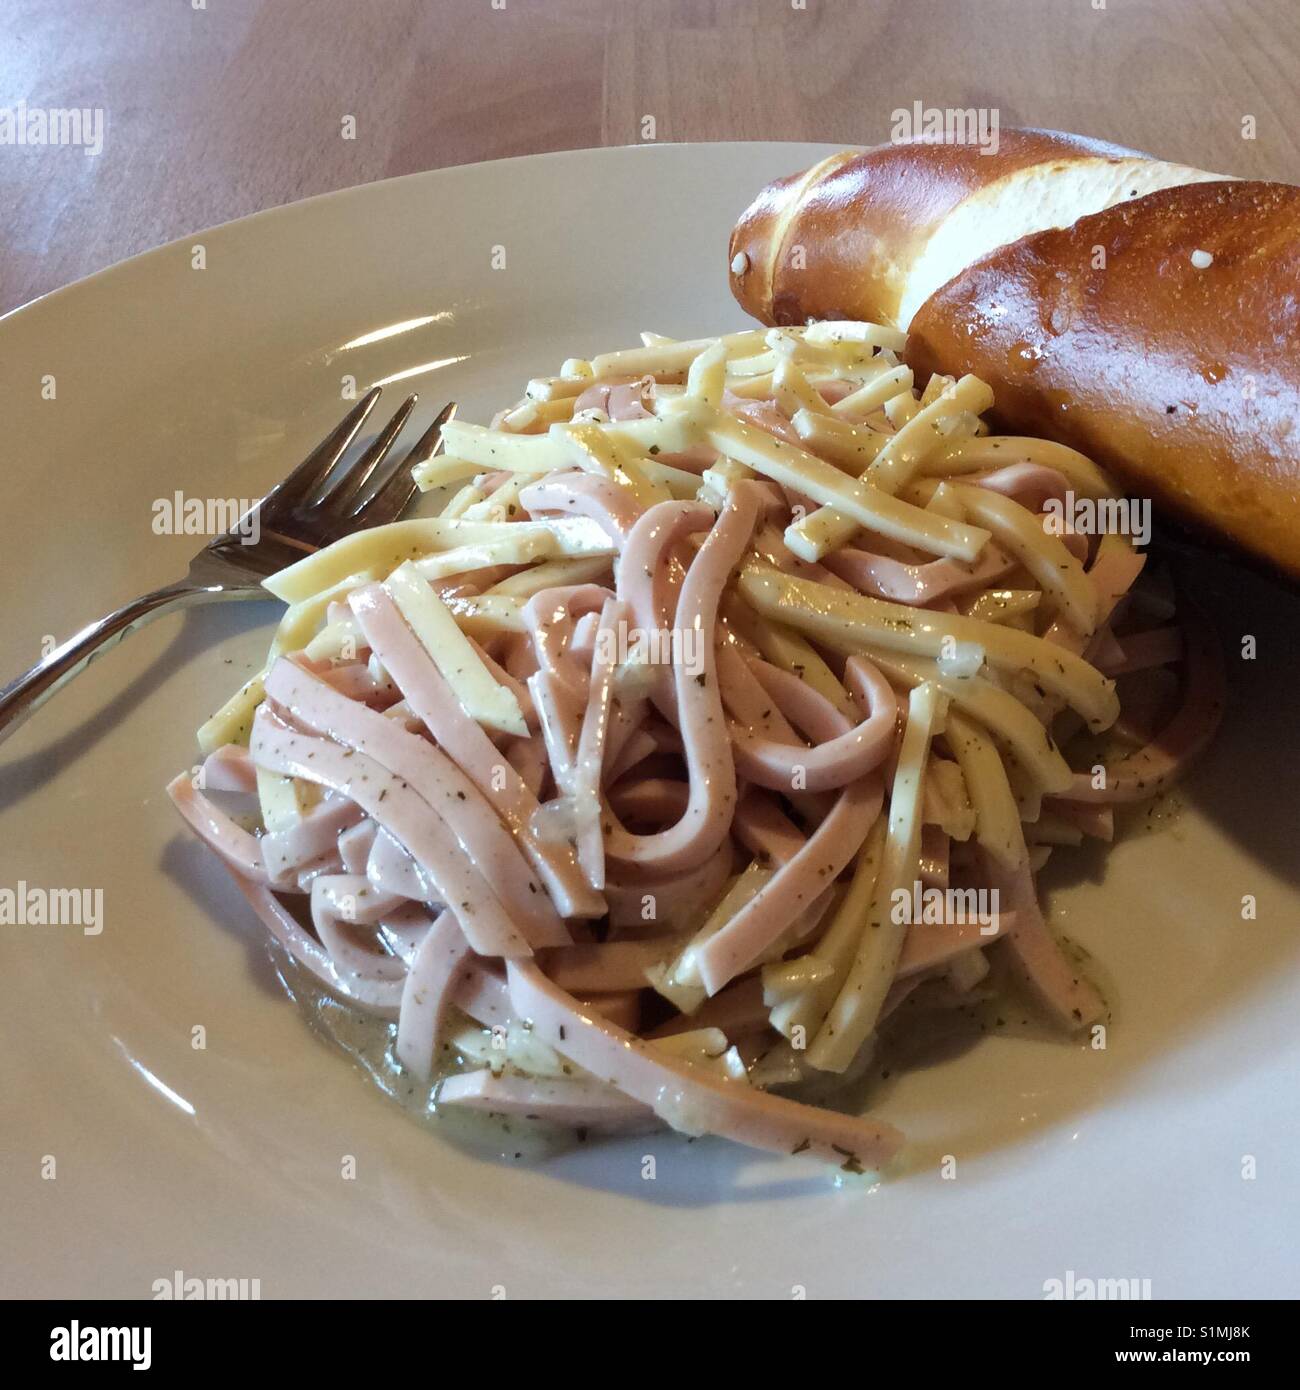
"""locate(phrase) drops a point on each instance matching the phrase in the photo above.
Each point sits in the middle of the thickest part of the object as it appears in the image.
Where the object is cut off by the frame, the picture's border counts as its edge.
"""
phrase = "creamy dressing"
(369, 1042)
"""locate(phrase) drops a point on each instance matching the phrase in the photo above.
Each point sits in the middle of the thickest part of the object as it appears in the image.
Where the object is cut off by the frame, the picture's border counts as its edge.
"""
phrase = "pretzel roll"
(872, 234)
(1162, 339)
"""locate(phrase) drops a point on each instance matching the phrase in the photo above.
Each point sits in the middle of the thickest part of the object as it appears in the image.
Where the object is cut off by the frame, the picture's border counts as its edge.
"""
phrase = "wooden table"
(217, 108)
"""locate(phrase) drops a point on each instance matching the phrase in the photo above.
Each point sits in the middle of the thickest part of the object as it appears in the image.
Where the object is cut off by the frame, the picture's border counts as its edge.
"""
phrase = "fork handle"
(21, 697)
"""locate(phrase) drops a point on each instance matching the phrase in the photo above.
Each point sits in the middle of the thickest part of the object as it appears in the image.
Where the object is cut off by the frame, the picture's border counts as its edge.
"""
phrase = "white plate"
(227, 1162)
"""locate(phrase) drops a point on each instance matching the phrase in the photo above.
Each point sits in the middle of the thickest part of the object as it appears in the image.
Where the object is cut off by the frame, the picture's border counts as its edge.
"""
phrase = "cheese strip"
(281, 803)
(997, 451)
(800, 1018)
(854, 446)
(1061, 577)
(854, 1013)
(856, 331)
(872, 394)
(789, 650)
(382, 548)
(233, 722)
(824, 483)
(850, 621)
(893, 465)
(485, 615)
(707, 377)
(596, 451)
(470, 449)
(555, 574)
(483, 697)
(794, 392)
(1028, 746)
(501, 504)
(671, 357)
(997, 818)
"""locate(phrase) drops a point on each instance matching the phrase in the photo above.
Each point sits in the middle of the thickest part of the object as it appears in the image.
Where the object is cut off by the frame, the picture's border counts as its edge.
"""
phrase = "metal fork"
(298, 515)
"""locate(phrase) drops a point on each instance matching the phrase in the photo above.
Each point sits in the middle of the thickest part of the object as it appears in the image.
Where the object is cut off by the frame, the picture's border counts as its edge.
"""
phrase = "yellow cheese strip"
(502, 504)
(888, 382)
(895, 462)
(998, 451)
(555, 573)
(854, 1013)
(856, 331)
(483, 616)
(789, 650)
(801, 1017)
(284, 800)
(824, 483)
(1025, 741)
(483, 697)
(852, 446)
(1060, 576)
(848, 620)
(554, 388)
(670, 358)
(793, 391)
(594, 450)
(707, 377)
(1001, 605)
(382, 548)
(233, 722)
(679, 982)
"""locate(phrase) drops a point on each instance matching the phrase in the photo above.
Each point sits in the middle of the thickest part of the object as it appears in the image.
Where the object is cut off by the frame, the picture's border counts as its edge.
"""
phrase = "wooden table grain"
(213, 109)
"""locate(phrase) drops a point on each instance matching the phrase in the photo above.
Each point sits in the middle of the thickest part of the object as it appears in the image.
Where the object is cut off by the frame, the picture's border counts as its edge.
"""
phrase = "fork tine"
(342, 496)
(313, 470)
(395, 490)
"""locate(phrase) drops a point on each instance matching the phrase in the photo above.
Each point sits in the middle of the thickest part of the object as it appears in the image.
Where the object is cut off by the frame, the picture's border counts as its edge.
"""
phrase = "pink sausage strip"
(620, 400)
(355, 844)
(443, 786)
(842, 754)
(699, 707)
(1184, 738)
(234, 844)
(686, 1097)
(1139, 651)
(793, 888)
(611, 506)
(315, 837)
(601, 967)
(918, 584)
(928, 944)
(574, 1102)
(427, 993)
(391, 870)
(1030, 484)
(390, 800)
(463, 739)
(382, 997)
(1059, 985)
(341, 899)
(664, 904)
(229, 769)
